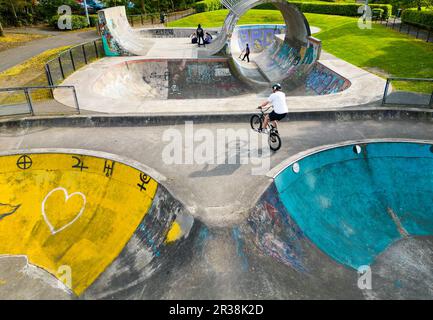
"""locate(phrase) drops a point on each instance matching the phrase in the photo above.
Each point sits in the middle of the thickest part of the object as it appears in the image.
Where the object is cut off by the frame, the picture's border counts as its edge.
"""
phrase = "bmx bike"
(256, 122)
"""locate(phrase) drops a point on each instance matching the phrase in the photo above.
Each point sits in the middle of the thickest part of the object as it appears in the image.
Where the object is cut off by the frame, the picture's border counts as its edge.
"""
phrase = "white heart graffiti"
(67, 197)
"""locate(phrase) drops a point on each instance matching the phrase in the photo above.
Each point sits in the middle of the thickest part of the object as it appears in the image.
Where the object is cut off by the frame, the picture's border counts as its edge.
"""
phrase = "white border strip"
(274, 172)
(97, 154)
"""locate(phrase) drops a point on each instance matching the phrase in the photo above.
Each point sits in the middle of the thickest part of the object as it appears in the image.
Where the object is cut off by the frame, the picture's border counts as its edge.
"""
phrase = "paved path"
(14, 56)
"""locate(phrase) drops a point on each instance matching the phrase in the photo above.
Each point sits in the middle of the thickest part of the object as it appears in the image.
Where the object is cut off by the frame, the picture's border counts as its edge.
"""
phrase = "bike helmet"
(276, 86)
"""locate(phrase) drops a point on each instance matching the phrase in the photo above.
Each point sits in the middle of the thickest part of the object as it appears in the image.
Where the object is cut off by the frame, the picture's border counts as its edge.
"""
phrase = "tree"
(2, 34)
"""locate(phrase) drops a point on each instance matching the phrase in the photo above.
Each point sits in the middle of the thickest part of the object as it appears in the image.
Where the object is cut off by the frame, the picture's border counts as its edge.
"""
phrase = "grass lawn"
(380, 50)
(28, 73)
(11, 40)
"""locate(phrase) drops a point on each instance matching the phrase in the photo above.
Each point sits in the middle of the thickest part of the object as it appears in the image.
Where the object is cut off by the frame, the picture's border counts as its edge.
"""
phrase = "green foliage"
(333, 8)
(423, 18)
(93, 20)
(48, 8)
(377, 13)
(78, 22)
(208, 5)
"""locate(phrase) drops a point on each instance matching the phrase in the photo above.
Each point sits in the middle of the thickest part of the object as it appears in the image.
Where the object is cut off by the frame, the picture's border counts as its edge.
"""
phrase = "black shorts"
(277, 116)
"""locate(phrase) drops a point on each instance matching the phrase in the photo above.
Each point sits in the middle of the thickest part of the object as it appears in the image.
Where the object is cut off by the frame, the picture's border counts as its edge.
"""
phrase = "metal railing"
(419, 32)
(58, 69)
(35, 100)
(416, 91)
(155, 18)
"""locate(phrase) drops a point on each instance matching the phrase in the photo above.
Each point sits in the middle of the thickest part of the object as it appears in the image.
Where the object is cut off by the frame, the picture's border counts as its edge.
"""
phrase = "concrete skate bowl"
(360, 204)
(136, 85)
(74, 224)
(161, 79)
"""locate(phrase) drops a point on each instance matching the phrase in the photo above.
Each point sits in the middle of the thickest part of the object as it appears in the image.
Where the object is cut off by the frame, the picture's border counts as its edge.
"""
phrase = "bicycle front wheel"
(274, 141)
(256, 122)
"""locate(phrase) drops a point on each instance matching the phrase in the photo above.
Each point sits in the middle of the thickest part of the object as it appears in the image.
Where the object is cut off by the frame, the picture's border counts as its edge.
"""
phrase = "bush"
(94, 20)
(377, 13)
(334, 8)
(423, 18)
(78, 22)
(208, 5)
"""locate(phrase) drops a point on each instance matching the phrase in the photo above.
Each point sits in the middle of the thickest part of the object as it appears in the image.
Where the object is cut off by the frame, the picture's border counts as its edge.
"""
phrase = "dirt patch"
(12, 40)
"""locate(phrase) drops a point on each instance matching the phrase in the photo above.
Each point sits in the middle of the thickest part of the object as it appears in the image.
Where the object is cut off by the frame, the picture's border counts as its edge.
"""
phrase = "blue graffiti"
(240, 248)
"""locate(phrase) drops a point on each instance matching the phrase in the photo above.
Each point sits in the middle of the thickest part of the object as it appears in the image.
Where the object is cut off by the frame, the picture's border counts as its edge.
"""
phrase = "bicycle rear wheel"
(256, 122)
(274, 141)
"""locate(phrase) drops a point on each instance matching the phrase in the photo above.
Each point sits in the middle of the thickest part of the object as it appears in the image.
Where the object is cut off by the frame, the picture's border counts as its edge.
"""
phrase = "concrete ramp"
(118, 38)
(290, 58)
(89, 221)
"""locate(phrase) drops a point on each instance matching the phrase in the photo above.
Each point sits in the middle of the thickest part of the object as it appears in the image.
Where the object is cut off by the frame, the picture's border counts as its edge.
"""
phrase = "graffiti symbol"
(53, 229)
(24, 162)
(7, 210)
(145, 179)
(79, 164)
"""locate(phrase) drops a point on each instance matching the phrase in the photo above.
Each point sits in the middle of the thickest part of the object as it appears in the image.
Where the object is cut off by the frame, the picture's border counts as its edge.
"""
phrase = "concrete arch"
(297, 26)
(288, 59)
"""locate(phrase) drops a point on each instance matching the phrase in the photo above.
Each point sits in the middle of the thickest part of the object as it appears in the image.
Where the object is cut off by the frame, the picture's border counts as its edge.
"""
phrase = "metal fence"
(68, 61)
(155, 18)
(409, 91)
(36, 101)
(418, 32)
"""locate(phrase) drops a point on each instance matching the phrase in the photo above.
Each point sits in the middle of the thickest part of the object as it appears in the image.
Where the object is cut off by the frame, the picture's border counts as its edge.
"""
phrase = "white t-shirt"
(278, 100)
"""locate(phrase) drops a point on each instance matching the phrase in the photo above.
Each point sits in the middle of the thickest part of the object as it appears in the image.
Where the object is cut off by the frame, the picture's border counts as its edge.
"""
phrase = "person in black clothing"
(200, 35)
(247, 53)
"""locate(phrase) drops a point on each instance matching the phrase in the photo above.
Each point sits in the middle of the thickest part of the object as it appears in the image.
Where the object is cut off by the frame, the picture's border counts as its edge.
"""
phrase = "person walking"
(200, 35)
(247, 53)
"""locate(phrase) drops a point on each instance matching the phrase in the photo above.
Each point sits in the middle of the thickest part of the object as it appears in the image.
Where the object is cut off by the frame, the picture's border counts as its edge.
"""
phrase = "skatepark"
(94, 197)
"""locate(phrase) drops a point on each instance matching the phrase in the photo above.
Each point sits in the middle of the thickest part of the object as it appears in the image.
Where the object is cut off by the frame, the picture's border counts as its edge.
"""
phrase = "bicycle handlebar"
(265, 109)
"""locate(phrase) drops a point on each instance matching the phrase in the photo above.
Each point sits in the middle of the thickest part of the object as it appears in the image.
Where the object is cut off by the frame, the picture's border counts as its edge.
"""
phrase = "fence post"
(72, 59)
(84, 53)
(385, 93)
(61, 68)
(48, 73)
(77, 105)
(141, 17)
(49, 78)
(401, 25)
(29, 101)
(96, 49)
(431, 101)
(428, 37)
(408, 29)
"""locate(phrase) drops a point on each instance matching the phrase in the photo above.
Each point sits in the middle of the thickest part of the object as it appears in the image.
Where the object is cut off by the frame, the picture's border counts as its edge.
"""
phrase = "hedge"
(339, 9)
(423, 18)
(78, 22)
(208, 5)
(94, 20)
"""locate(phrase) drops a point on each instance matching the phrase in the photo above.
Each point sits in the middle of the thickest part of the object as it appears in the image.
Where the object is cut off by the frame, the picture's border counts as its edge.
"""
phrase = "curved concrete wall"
(84, 217)
(354, 201)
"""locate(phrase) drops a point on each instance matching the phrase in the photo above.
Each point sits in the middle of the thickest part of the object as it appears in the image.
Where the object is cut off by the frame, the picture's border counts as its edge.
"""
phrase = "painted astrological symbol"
(109, 169)
(24, 162)
(80, 164)
(145, 179)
